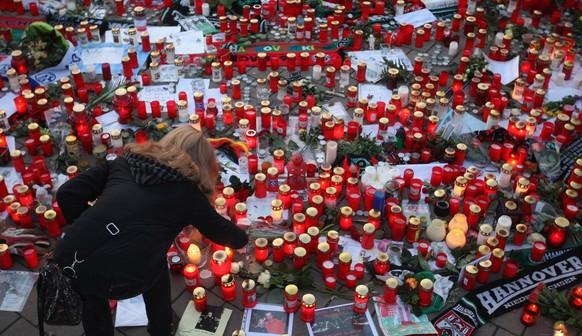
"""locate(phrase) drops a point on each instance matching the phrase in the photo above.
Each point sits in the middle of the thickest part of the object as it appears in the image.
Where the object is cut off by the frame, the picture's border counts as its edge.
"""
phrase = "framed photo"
(267, 320)
(341, 321)
(211, 322)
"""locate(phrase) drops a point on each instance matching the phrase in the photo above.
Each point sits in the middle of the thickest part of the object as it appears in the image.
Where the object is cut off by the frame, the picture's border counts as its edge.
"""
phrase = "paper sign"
(168, 73)
(155, 33)
(416, 18)
(509, 70)
(7, 103)
(131, 313)
(161, 93)
(188, 42)
(102, 55)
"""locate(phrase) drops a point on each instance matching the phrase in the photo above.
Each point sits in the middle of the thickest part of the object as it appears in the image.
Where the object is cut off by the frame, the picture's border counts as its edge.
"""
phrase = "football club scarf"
(560, 269)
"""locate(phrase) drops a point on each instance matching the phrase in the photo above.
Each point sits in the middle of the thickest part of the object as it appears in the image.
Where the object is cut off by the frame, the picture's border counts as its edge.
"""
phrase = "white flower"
(235, 267)
(264, 279)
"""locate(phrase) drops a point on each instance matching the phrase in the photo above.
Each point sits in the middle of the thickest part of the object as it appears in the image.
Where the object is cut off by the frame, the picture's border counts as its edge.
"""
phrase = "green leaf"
(292, 145)
(423, 264)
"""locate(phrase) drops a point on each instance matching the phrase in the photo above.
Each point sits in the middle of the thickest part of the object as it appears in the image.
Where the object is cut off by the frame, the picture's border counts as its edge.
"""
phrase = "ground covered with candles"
(401, 167)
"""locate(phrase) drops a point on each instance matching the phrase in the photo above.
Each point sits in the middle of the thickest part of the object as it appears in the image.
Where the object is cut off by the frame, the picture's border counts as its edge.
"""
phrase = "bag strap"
(40, 303)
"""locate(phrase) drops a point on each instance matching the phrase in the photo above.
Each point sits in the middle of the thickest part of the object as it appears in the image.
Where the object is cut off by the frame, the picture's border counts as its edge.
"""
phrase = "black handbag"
(57, 303)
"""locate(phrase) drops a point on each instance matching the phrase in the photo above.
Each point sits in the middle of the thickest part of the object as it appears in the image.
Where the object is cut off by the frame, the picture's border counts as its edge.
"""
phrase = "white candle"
(499, 38)
(560, 79)
(503, 222)
(456, 238)
(404, 93)
(316, 72)
(205, 9)
(330, 152)
(453, 48)
(194, 256)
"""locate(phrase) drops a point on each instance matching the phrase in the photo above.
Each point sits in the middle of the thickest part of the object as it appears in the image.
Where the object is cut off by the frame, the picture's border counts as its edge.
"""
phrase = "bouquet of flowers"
(43, 46)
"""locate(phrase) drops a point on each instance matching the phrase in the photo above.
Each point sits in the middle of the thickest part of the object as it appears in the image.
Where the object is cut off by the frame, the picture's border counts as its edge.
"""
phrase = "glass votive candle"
(291, 293)
(278, 253)
(327, 268)
(538, 251)
(575, 299)
(199, 295)
(359, 269)
(425, 292)
(530, 314)
(261, 249)
(351, 279)
(308, 308)
(228, 287)
(330, 281)
(511, 269)
(390, 290)
(30, 256)
(470, 277)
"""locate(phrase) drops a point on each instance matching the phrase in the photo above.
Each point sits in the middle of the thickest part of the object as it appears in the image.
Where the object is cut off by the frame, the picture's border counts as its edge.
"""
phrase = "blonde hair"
(186, 150)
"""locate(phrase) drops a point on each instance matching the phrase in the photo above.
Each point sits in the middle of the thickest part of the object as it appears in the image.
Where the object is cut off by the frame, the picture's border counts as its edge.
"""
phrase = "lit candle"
(530, 314)
(308, 308)
(220, 265)
(199, 295)
(361, 295)
(346, 214)
(277, 211)
(368, 234)
(290, 239)
(381, 264)
(191, 277)
(575, 299)
(425, 292)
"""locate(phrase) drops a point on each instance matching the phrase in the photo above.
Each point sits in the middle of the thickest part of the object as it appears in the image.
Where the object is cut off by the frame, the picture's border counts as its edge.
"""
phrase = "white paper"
(107, 118)
(16, 287)
(131, 313)
(11, 177)
(188, 42)
(374, 93)
(161, 93)
(359, 255)
(338, 111)
(416, 18)
(168, 73)
(508, 70)
(7, 104)
(102, 55)
(156, 33)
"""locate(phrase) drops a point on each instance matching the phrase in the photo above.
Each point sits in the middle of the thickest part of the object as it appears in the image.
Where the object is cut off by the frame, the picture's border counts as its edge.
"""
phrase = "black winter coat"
(148, 202)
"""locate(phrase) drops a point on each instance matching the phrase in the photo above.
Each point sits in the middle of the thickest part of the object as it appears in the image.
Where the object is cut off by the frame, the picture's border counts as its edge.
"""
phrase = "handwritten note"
(416, 18)
(101, 55)
(161, 93)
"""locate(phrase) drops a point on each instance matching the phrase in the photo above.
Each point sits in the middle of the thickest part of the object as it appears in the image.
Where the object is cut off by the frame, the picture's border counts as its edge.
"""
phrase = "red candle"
(484, 269)
(359, 270)
(191, 277)
(530, 314)
(344, 265)
(425, 292)
(228, 287)
(30, 256)
(327, 268)
(361, 295)
(261, 249)
(441, 260)
(369, 198)
(299, 257)
(423, 246)
(308, 308)
(330, 281)
(199, 294)
(5, 257)
(249, 293)
(390, 290)
(351, 279)
(575, 299)
(511, 269)
(538, 251)
(278, 253)
(470, 277)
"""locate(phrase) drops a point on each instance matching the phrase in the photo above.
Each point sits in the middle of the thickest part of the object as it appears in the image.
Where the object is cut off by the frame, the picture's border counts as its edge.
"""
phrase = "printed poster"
(395, 319)
(341, 321)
